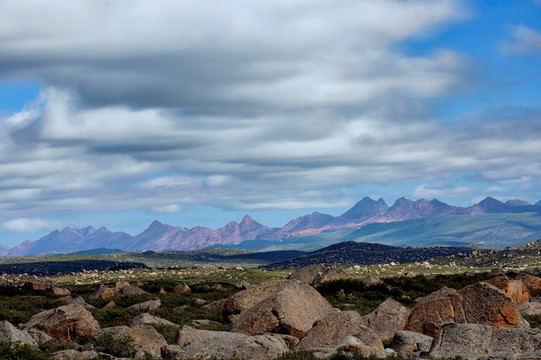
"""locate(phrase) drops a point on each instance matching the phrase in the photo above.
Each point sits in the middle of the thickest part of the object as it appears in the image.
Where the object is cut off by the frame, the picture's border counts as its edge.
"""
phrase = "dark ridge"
(49, 268)
(351, 252)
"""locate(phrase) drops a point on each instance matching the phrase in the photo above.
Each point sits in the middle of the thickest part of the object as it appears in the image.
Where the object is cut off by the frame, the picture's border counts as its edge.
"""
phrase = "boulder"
(172, 352)
(104, 292)
(532, 282)
(35, 285)
(80, 301)
(9, 333)
(388, 318)
(480, 303)
(131, 290)
(222, 344)
(121, 284)
(285, 306)
(317, 274)
(471, 341)
(371, 280)
(147, 305)
(530, 309)
(144, 337)
(182, 289)
(74, 355)
(146, 318)
(444, 291)
(39, 336)
(65, 320)
(350, 345)
(60, 291)
(515, 289)
(333, 328)
(110, 305)
(411, 343)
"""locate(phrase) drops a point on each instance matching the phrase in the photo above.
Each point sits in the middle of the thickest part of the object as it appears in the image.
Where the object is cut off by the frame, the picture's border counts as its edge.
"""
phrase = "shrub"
(121, 347)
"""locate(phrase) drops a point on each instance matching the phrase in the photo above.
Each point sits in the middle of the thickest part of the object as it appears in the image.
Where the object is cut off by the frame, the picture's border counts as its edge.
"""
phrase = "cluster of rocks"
(480, 321)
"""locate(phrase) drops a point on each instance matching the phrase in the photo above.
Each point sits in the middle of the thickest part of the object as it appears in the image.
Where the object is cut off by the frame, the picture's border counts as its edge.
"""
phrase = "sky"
(117, 113)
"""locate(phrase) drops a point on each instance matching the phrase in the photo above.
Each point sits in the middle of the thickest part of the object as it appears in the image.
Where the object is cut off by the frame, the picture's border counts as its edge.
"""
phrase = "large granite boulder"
(531, 282)
(480, 303)
(333, 328)
(472, 341)
(9, 333)
(68, 320)
(287, 307)
(515, 289)
(222, 344)
(388, 318)
(317, 274)
(411, 343)
(444, 291)
(144, 337)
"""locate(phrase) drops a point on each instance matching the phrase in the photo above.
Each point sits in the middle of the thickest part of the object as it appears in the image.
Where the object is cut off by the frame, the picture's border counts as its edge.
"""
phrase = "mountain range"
(160, 236)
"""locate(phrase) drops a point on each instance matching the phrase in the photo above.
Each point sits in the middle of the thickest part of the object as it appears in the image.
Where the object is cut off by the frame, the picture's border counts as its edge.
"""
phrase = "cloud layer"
(241, 105)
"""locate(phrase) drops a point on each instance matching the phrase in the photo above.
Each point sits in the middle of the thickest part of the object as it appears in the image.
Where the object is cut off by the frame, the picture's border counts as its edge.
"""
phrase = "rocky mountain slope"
(160, 236)
(350, 252)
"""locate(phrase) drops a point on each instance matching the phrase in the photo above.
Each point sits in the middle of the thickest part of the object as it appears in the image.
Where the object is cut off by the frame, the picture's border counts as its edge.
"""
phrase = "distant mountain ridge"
(160, 236)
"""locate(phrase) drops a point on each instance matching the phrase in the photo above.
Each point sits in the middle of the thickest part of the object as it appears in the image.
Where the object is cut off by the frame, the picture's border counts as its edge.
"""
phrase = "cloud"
(167, 209)
(521, 40)
(209, 57)
(31, 225)
(441, 190)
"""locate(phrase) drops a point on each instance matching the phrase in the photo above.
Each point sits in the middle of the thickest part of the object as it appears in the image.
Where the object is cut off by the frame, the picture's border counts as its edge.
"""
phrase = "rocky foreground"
(483, 320)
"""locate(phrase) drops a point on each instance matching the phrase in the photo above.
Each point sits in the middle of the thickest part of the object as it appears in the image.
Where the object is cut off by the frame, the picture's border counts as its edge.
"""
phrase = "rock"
(285, 306)
(171, 352)
(411, 343)
(495, 272)
(80, 301)
(317, 274)
(145, 337)
(110, 305)
(217, 287)
(444, 291)
(223, 344)
(162, 291)
(69, 319)
(39, 336)
(349, 345)
(131, 290)
(74, 355)
(480, 303)
(515, 289)
(532, 282)
(371, 280)
(121, 284)
(243, 285)
(9, 333)
(471, 341)
(35, 285)
(104, 292)
(388, 318)
(147, 305)
(530, 309)
(182, 289)
(60, 291)
(146, 318)
(199, 302)
(332, 329)
(205, 322)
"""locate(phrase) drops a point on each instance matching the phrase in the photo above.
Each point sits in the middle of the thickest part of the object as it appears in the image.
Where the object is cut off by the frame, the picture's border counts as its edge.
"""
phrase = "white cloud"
(441, 190)
(521, 40)
(167, 209)
(31, 225)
